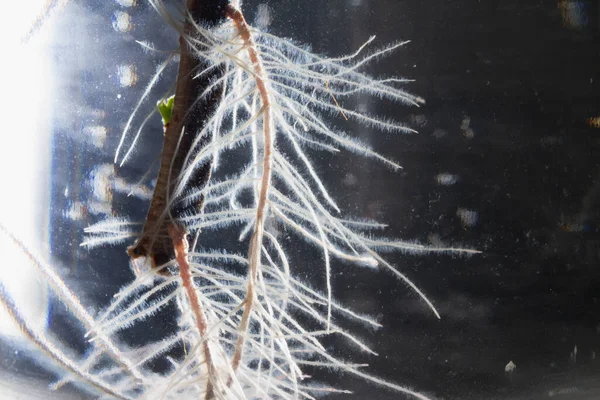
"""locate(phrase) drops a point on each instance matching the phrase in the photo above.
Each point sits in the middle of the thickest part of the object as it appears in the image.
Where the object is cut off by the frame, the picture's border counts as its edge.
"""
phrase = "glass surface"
(506, 161)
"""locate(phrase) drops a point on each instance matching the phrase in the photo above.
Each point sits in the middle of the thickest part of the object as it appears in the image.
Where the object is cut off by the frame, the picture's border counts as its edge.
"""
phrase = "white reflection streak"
(25, 156)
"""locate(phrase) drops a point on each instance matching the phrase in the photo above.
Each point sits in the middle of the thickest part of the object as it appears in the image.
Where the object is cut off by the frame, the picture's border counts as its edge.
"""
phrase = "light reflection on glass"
(25, 157)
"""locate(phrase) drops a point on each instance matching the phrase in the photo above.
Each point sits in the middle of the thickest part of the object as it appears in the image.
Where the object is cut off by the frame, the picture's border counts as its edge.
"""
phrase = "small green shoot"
(165, 108)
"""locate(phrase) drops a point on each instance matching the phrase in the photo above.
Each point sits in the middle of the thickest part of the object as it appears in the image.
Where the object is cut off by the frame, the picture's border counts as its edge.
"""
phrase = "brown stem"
(162, 238)
(180, 244)
(188, 117)
(261, 207)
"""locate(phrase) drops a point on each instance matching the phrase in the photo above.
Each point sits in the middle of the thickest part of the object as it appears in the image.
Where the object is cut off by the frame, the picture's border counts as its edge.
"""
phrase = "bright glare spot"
(127, 75)
(122, 21)
(101, 182)
(464, 124)
(468, 218)
(76, 211)
(263, 16)
(446, 179)
(466, 128)
(510, 367)
(96, 135)
(26, 82)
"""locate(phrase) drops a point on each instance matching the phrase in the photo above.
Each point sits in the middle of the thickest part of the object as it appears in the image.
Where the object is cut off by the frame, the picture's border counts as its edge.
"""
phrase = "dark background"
(511, 90)
(525, 75)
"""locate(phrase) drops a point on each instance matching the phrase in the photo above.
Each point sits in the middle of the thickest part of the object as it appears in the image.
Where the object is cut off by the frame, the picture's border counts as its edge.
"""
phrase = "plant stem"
(254, 253)
(162, 238)
(180, 244)
(188, 118)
